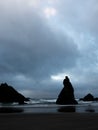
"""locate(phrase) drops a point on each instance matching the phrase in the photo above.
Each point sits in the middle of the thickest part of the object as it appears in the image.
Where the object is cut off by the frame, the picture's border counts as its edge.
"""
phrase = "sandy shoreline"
(60, 121)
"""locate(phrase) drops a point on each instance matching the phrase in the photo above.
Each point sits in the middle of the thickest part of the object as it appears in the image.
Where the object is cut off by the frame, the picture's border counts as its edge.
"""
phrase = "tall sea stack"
(66, 95)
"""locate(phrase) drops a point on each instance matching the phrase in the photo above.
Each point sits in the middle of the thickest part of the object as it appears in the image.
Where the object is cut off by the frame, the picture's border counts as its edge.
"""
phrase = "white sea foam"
(50, 106)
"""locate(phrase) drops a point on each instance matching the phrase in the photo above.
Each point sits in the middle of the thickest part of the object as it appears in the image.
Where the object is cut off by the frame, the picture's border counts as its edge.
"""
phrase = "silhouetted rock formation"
(66, 96)
(9, 95)
(89, 97)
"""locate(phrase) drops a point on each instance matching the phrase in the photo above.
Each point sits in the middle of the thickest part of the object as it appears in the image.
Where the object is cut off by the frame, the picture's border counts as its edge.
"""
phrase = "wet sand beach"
(48, 121)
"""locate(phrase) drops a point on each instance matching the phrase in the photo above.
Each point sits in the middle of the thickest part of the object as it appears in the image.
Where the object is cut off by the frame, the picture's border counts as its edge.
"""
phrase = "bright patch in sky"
(50, 11)
(58, 77)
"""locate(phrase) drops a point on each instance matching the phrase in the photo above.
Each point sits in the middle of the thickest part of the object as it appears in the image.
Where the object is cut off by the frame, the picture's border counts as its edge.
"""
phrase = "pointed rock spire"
(66, 95)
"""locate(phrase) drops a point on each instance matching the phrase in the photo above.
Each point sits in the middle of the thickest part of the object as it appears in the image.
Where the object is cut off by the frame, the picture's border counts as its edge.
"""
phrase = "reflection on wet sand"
(10, 110)
(90, 109)
(67, 109)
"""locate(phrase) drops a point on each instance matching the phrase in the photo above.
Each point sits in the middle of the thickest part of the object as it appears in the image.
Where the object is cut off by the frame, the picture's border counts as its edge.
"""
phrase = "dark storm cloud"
(41, 56)
(34, 47)
(28, 46)
(30, 52)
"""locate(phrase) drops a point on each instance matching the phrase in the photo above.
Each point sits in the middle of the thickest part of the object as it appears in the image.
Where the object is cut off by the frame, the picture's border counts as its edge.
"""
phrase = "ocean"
(49, 106)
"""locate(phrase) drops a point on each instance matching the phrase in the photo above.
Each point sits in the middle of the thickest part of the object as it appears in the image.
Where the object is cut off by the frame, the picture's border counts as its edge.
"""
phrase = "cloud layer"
(34, 47)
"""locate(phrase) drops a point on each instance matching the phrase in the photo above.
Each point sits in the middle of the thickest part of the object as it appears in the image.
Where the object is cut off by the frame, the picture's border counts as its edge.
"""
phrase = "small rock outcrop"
(9, 95)
(66, 95)
(89, 97)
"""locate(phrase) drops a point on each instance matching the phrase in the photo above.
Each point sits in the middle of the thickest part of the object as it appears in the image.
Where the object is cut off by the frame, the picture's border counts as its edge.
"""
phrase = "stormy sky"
(42, 41)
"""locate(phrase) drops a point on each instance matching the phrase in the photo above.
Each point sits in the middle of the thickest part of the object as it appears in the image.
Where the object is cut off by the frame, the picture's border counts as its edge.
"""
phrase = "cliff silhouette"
(9, 95)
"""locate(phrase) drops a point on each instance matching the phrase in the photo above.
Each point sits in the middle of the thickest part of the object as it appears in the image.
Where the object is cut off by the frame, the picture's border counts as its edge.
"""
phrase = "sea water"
(49, 106)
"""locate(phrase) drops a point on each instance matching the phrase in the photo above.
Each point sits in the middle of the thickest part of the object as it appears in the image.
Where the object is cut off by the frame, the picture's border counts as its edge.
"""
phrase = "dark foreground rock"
(66, 95)
(9, 95)
(89, 97)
